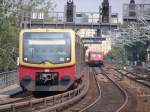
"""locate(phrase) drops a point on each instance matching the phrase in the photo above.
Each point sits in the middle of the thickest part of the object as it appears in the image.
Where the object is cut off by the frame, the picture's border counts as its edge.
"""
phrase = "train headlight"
(27, 78)
(65, 80)
(17, 61)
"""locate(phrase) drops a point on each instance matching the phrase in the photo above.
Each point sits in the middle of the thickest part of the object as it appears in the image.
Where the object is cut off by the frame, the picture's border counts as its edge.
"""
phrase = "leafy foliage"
(137, 52)
(8, 41)
(10, 19)
(133, 52)
(117, 54)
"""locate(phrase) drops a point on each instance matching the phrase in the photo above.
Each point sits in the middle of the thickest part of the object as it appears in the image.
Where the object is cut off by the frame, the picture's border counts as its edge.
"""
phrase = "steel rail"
(8, 78)
(100, 94)
(126, 98)
(131, 78)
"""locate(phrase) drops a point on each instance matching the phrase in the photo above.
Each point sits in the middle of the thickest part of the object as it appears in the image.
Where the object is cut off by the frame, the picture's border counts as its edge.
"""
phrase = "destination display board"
(93, 40)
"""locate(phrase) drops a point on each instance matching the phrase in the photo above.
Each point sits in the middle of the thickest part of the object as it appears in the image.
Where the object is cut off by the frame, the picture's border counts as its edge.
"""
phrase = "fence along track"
(8, 78)
(49, 103)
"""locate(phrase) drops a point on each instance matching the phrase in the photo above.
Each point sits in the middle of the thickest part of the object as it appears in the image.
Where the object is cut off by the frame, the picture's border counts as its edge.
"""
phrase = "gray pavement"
(10, 90)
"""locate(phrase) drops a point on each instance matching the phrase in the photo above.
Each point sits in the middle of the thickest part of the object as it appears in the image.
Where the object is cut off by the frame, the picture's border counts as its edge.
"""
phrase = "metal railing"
(51, 103)
(60, 17)
(8, 78)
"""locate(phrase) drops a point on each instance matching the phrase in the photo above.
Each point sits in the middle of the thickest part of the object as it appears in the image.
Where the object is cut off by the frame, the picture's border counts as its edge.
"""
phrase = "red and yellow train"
(49, 59)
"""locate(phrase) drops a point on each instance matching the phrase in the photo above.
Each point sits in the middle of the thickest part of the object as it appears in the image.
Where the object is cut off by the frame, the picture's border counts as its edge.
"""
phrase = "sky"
(93, 5)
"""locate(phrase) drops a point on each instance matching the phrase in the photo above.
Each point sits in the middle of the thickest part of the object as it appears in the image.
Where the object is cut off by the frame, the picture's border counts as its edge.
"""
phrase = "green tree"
(11, 12)
(137, 51)
(8, 42)
(117, 54)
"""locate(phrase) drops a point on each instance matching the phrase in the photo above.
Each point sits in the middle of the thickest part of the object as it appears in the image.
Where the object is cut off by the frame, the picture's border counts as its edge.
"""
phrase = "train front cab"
(95, 59)
(47, 75)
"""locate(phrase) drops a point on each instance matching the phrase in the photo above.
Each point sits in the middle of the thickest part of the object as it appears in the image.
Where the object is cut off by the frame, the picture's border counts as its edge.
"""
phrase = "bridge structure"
(69, 25)
(70, 19)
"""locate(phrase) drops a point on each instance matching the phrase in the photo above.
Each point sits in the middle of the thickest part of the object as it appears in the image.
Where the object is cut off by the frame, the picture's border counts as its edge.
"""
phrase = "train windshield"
(49, 47)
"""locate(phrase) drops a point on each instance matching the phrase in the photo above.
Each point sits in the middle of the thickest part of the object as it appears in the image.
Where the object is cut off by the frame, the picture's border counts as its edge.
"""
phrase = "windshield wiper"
(46, 61)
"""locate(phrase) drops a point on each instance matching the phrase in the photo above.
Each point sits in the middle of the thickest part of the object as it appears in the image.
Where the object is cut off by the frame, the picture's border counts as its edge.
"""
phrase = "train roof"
(49, 30)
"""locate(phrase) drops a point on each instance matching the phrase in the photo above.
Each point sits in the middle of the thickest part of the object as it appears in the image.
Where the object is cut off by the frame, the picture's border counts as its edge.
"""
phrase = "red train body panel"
(66, 77)
(32, 72)
(95, 58)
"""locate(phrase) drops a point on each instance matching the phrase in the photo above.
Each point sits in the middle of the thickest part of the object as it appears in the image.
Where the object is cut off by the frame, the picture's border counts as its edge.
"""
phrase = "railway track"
(135, 77)
(92, 95)
(138, 91)
(52, 103)
(112, 99)
(102, 94)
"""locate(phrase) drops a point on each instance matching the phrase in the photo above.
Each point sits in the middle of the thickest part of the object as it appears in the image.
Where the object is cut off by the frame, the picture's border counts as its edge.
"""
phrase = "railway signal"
(70, 11)
(105, 11)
